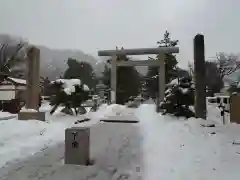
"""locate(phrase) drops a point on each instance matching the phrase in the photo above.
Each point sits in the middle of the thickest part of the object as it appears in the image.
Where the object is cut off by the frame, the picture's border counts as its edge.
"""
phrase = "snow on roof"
(18, 81)
(68, 81)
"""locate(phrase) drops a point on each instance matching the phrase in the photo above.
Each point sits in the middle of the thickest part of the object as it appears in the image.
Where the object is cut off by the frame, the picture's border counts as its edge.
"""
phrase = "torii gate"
(142, 51)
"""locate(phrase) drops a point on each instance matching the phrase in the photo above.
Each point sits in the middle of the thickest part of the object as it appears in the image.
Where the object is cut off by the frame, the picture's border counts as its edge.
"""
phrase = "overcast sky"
(90, 25)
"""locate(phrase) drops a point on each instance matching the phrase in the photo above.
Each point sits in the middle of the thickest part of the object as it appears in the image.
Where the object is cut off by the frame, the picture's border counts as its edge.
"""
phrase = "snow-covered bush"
(179, 96)
(70, 93)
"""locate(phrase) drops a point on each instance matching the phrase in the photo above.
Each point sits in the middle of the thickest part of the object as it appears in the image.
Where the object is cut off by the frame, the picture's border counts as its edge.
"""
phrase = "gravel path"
(115, 148)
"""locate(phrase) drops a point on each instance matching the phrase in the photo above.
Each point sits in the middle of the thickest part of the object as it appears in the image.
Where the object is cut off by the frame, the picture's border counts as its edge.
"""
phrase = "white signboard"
(7, 95)
(113, 96)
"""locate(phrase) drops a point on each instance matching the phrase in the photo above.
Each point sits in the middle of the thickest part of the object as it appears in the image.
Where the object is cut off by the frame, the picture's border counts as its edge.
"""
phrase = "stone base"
(121, 119)
(31, 116)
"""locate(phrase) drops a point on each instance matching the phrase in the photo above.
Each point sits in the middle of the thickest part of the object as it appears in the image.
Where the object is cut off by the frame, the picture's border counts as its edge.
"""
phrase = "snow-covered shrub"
(70, 93)
(179, 96)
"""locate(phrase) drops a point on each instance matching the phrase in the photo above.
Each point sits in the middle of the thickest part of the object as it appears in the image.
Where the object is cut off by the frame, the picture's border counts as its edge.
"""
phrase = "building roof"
(17, 81)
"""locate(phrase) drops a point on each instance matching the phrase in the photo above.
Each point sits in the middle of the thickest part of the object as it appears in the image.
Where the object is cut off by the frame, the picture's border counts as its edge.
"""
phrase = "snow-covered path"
(115, 149)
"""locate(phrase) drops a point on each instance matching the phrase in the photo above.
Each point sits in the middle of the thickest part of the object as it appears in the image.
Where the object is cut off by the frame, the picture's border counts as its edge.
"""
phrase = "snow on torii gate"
(142, 51)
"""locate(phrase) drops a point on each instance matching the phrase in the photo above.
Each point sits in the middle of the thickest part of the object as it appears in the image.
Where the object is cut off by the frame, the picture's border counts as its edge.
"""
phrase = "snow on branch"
(69, 85)
(227, 64)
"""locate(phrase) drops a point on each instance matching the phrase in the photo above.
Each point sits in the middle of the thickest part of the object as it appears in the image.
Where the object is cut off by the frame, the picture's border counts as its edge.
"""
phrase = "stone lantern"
(100, 88)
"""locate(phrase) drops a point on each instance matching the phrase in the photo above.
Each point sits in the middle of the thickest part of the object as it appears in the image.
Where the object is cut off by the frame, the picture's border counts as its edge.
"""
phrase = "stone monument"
(31, 110)
(200, 77)
(77, 145)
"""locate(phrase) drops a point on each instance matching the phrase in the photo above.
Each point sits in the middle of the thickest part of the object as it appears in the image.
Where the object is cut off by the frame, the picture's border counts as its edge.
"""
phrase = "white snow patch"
(19, 81)
(85, 87)
(184, 90)
(20, 139)
(182, 149)
(69, 85)
(28, 110)
(6, 115)
(174, 82)
(68, 82)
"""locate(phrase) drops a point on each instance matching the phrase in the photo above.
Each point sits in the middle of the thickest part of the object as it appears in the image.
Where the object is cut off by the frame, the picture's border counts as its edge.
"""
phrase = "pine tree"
(80, 70)
(179, 96)
(170, 66)
(70, 95)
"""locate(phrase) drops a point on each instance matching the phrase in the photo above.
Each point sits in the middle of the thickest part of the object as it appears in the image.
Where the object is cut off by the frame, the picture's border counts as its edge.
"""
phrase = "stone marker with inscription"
(77, 145)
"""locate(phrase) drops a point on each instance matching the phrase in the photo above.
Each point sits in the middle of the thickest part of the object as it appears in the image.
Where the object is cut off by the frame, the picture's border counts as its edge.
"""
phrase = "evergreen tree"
(80, 70)
(179, 96)
(170, 66)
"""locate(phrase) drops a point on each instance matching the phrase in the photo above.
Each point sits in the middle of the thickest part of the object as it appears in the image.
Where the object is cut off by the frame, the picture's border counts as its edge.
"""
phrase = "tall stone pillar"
(33, 87)
(33, 83)
(200, 79)
(161, 78)
(161, 81)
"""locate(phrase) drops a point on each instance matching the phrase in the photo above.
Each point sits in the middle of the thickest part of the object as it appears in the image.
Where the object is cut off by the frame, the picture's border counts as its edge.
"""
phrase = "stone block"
(31, 116)
(234, 108)
(77, 145)
(120, 119)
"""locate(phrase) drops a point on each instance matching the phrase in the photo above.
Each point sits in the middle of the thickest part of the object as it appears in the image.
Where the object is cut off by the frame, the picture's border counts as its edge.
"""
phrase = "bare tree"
(9, 57)
(227, 64)
(214, 80)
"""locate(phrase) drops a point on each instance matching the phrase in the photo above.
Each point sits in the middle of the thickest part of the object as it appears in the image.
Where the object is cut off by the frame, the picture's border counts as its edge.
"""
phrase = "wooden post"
(113, 79)
(200, 80)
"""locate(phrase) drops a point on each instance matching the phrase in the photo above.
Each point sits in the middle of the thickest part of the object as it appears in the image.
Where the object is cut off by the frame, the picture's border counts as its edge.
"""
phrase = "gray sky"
(90, 25)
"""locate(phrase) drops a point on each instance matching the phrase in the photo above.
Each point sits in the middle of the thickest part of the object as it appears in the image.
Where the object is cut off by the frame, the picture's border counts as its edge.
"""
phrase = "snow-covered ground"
(179, 149)
(19, 139)
(159, 147)
(7, 115)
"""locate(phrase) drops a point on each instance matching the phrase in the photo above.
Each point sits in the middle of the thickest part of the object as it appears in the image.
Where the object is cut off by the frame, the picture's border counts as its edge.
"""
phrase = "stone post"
(199, 75)
(113, 79)
(161, 80)
(33, 84)
(33, 87)
(77, 145)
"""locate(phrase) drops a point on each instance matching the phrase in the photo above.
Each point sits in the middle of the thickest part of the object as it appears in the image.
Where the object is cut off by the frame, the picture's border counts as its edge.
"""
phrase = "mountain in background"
(52, 61)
